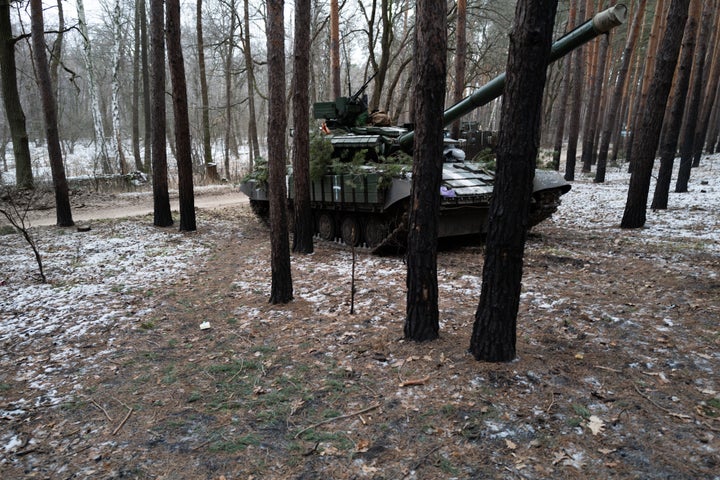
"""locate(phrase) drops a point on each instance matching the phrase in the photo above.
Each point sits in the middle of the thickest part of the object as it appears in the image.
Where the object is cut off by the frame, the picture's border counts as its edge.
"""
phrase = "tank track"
(545, 204)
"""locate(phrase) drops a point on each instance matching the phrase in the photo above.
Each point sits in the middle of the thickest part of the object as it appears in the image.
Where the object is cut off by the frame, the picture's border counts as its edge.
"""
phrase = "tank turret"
(361, 167)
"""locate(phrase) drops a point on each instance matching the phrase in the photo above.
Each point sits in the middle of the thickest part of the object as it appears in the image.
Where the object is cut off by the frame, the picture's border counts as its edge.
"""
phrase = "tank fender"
(254, 190)
(549, 179)
(399, 190)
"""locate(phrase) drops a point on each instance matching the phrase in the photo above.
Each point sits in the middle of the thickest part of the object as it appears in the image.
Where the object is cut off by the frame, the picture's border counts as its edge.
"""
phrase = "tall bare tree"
(494, 332)
(563, 95)
(692, 111)
(646, 140)
(161, 196)
(281, 290)
(576, 106)
(101, 150)
(422, 314)
(254, 144)
(335, 48)
(303, 219)
(230, 52)
(210, 166)
(673, 122)
(11, 101)
(147, 115)
(711, 82)
(42, 69)
(118, 37)
(136, 92)
(183, 148)
(613, 111)
(460, 58)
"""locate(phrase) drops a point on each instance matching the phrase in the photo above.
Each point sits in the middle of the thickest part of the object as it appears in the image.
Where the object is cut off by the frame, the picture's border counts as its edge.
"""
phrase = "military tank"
(362, 167)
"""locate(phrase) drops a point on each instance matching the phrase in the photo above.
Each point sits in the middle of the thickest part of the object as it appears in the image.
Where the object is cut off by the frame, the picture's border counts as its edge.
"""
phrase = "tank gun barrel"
(601, 23)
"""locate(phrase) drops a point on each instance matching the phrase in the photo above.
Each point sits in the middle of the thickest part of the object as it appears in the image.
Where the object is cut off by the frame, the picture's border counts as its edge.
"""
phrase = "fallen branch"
(414, 382)
(101, 408)
(349, 415)
(117, 429)
(666, 410)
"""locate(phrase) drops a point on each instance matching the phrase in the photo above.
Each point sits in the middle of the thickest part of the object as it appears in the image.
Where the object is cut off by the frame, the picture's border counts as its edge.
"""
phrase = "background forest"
(375, 37)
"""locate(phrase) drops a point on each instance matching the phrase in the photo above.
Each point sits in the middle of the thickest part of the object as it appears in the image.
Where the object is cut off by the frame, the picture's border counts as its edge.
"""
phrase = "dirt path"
(136, 204)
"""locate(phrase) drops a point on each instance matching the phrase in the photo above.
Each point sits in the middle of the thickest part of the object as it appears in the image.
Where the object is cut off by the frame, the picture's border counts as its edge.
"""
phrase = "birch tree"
(101, 150)
(118, 36)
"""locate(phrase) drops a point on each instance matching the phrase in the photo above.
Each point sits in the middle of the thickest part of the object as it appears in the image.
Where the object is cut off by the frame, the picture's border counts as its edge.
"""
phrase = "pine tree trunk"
(136, 93)
(11, 99)
(335, 48)
(563, 96)
(303, 222)
(610, 125)
(668, 146)
(577, 94)
(460, 58)
(147, 109)
(711, 86)
(693, 108)
(210, 167)
(422, 314)
(250, 72)
(161, 197)
(62, 195)
(182, 117)
(229, 90)
(281, 290)
(646, 140)
(494, 331)
(593, 111)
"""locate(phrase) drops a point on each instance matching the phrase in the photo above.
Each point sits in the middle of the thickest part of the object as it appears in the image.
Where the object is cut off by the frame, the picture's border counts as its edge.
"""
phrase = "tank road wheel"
(326, 227)
(350, 231)
(375, 232)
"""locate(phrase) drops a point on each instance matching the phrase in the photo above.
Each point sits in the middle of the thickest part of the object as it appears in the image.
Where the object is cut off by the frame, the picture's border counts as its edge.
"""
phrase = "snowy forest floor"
(155, 354)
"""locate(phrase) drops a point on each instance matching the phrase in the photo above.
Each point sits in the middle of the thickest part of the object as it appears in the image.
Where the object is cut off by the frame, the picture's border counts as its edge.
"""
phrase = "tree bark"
(183, 148)
(62, 194)
(117, 49)
(648, 63)
(161, 197)
(136, 93)
(11, 100)
(250, 72)
(210, 166)
(101, 153)
(711, 85)
(563, 95)
(335, 48)
(668, 146)
(422, 315)
(646, 140)
(494, 331)
(693, 107)
(577, 93)
(229, 89)
(460, 57)
(610, 124)
(303, 222)
(593, 111)
(147, 109)
(281, 290)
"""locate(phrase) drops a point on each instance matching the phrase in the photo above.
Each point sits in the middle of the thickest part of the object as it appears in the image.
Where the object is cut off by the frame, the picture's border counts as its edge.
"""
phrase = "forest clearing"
(153, 353)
